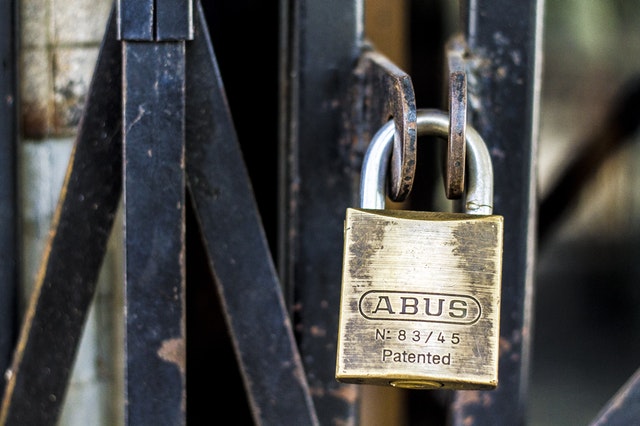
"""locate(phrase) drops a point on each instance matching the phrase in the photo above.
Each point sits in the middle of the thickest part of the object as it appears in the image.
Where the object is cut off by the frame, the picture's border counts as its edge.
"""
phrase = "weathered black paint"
(320, 46)
(237, 249)
(154, 231)
(66, 284)
(9, 247)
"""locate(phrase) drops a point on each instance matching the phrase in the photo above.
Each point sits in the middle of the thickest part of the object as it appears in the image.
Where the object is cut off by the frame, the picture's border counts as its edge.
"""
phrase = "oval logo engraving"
(447, 308)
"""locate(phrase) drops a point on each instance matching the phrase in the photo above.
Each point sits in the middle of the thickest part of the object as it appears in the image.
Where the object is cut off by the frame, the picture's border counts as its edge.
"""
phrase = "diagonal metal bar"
(154, 232)
(237, 248)
(66, 283)
(624, 408)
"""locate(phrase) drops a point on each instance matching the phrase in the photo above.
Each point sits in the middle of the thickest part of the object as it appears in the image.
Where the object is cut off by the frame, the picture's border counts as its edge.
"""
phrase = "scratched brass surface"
(420, 302)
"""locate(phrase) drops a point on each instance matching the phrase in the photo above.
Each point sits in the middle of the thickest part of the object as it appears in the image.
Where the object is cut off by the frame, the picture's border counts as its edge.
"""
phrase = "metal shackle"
(479, 179)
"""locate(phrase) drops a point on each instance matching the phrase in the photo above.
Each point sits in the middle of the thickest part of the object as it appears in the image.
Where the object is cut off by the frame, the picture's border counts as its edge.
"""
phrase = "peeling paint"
(516, 336)
(468, 398)
(174, 351)
(317, 331)
(505, 346)
(316, 391)
(348, 393)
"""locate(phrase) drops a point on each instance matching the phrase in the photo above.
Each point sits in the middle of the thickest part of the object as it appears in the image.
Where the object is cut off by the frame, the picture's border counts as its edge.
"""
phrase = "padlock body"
(420, 301)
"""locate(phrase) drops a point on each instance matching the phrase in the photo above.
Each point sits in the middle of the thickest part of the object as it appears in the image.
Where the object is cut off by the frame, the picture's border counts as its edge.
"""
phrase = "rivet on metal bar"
(457, 97)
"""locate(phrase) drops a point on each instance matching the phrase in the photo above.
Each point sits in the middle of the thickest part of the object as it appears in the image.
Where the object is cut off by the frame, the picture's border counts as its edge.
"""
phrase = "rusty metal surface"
(66, 283)
(454, 168)
(387, 94)
(237, 250)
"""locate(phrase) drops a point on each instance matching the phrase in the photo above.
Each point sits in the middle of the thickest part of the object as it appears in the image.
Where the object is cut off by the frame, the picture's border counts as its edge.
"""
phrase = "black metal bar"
(154, 206)
(237, 248)
(624, 408)
(8, 191)
(67, 279)
(504, 41)
(174, 20)
(320, 45)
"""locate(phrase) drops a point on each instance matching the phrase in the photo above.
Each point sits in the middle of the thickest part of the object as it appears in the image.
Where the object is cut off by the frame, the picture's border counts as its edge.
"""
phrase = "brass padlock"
(420, 301)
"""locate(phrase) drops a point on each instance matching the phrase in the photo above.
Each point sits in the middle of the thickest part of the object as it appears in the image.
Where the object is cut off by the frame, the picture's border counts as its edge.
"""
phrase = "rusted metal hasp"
(386, 92)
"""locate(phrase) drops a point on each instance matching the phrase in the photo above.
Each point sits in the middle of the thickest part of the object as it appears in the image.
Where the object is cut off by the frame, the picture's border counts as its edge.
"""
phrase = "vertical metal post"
(8, 200)
(154, 34)
(154, 200)
(504, 38)
(320, 45)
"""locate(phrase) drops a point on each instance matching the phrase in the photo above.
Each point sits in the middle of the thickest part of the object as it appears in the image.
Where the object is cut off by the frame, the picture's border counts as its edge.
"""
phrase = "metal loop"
(479, 182)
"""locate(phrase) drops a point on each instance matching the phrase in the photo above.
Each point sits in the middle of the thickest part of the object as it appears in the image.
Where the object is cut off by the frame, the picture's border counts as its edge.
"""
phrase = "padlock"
(420, 300)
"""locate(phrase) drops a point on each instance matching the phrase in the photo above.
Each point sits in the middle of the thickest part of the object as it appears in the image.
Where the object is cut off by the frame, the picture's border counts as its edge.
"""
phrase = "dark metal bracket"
(385, 93)
(197, 134)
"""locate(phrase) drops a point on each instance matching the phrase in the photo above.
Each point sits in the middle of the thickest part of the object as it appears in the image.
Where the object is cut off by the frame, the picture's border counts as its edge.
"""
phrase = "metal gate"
(223, 141)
